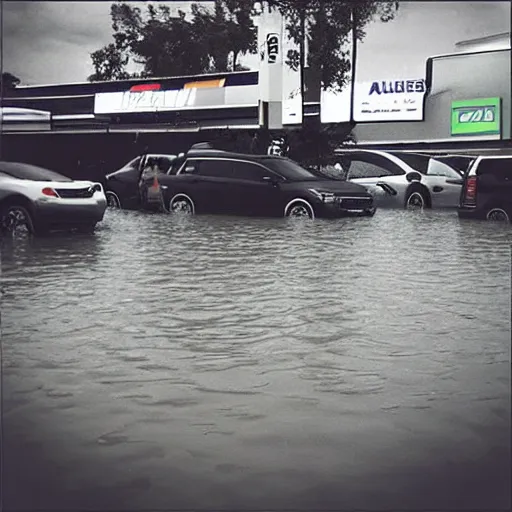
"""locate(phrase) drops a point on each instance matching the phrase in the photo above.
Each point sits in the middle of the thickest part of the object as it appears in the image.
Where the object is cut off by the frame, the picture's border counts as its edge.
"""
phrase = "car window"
(176, 165)
(132, 165)
(362, 169)
(437, 168)
(460, 164)
(31, 172)
(215, 168)
(288, 169)
(500, 168)
(418, 162)
(250, 172)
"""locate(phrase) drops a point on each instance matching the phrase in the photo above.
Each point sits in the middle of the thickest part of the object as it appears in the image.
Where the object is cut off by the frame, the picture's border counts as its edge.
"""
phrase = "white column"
(270, 48)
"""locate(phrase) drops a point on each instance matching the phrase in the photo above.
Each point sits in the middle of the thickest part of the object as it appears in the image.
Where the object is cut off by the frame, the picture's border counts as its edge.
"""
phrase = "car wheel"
(181, 203)
(497, 215)
(416, 200)
(16, 219)
(112, 200)
(300, 209)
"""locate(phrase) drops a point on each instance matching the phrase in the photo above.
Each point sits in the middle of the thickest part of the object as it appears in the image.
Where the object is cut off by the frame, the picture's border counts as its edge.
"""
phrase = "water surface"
(234, 363)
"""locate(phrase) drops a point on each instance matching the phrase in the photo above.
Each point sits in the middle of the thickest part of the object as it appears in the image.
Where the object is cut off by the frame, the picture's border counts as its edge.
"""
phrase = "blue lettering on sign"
(397, 87)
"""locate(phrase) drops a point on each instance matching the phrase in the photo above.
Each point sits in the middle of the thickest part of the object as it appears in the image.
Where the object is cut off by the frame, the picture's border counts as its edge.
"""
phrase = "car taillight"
(47, 191)
(470, 191)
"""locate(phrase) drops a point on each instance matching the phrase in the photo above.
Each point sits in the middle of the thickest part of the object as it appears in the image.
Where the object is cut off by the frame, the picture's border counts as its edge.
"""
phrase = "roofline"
(458, 54)
(483, 39)
(150, 79)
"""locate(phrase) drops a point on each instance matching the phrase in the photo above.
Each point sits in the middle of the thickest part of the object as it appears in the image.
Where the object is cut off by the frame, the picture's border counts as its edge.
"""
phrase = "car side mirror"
(270, 180)
(413, 176)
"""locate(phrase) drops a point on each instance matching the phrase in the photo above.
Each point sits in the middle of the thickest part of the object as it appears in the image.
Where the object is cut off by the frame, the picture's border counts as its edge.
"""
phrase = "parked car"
(487, 190)
(218, 182)
(405, 180)
(38, 200)
(134, 185)
(461, 163)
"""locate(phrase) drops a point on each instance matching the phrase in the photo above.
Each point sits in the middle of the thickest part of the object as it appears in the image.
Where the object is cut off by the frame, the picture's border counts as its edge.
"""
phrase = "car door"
(444, 184)
(125, 183)
(255, 190)
(383, 178)
(208, 184)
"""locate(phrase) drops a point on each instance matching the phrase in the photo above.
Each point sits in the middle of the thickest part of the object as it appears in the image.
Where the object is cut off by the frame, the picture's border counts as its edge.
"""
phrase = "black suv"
(487, 190)
(218, 182)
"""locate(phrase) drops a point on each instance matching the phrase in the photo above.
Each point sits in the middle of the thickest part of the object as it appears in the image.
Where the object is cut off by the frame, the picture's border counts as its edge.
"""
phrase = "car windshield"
(30, 172)
(332, 172)
(289, 169)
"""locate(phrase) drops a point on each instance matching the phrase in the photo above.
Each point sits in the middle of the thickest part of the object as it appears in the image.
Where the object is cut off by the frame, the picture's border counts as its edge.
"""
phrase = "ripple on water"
(255, 343)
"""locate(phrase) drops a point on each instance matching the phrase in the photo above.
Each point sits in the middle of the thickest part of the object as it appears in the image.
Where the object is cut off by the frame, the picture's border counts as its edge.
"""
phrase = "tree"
(9, 81)
(109, 63)
(332, 28)
(329, 25)
(166, 45)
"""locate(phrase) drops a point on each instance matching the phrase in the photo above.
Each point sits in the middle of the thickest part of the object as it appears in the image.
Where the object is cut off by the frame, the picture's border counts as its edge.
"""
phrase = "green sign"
(476, 117)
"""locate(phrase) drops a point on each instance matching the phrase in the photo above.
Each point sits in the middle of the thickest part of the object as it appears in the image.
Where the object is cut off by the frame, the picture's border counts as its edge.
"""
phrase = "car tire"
(113, 200)
(15, 216)
(181, 203)
(497, 214)
(416, 199)
(299, 208)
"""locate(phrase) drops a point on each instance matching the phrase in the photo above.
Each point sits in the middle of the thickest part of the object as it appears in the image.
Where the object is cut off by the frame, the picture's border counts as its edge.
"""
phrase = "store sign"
(389, 100)
(272, 48)
(143, 101)
(476, 117)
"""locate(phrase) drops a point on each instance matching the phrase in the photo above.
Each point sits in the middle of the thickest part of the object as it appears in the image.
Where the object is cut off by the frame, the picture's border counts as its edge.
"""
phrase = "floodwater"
(216, 363)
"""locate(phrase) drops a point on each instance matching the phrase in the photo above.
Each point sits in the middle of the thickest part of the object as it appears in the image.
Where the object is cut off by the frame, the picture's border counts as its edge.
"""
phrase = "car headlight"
(326, 197)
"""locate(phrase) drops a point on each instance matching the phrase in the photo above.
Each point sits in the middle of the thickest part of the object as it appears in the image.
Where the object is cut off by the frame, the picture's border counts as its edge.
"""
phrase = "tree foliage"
(210, 40)
(329, 29)
(9, 81)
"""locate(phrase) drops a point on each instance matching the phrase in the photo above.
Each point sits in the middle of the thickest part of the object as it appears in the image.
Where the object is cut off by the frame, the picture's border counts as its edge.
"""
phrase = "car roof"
(217, 153)
(160, 155)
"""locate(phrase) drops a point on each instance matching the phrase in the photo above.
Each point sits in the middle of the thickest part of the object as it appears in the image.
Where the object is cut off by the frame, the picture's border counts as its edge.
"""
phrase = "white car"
(38, 200)
(404, 180)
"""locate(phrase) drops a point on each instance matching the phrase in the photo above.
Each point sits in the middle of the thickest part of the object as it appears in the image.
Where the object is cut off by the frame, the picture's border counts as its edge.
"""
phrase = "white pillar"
(270, 48)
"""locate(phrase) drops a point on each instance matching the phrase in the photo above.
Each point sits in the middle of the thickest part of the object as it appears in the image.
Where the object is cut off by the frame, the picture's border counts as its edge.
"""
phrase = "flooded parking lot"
(232, 363)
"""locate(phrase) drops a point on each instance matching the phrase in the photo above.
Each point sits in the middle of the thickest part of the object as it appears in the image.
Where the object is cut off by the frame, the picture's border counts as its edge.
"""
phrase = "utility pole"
(302, 61)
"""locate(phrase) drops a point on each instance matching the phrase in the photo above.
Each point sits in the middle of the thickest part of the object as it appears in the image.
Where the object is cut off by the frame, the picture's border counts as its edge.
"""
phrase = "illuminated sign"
(476, 117)
(389, 100)
(194, 95)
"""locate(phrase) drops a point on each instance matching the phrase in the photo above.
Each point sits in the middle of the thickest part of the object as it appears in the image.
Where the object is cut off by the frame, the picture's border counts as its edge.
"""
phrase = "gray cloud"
(51, 42)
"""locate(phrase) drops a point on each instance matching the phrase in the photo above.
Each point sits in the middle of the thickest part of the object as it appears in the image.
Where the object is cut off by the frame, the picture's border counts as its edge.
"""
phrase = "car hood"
(335, 186)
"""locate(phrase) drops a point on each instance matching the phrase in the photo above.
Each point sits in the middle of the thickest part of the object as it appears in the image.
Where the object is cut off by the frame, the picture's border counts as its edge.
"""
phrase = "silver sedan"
(403, 180)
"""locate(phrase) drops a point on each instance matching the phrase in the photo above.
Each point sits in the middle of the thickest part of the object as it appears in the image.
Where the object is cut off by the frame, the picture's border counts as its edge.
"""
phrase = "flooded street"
(249, 364)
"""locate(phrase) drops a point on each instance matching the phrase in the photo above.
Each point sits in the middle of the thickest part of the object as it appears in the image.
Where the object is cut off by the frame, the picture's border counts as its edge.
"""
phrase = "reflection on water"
(258, 363)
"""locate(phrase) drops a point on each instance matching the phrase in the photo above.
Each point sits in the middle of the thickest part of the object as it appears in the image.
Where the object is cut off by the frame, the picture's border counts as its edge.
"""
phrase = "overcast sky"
(51, 42)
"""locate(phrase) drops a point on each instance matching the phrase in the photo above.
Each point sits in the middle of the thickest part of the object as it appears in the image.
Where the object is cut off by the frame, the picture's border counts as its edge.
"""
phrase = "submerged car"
(38, 200)
(134, 185)
(487, 191)
(403, 180)
(218, 182)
